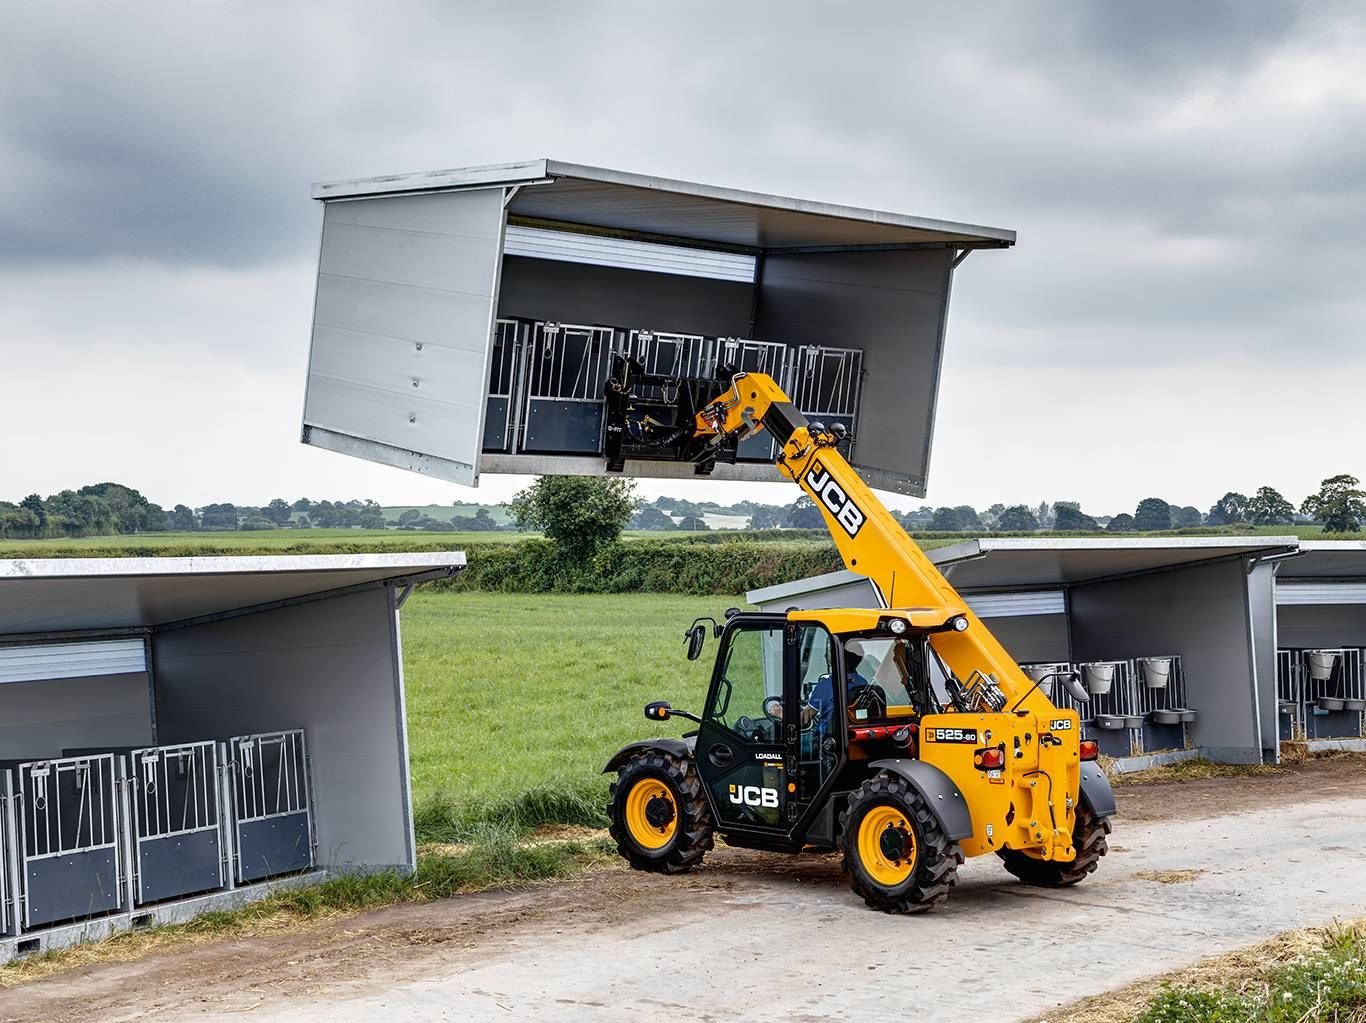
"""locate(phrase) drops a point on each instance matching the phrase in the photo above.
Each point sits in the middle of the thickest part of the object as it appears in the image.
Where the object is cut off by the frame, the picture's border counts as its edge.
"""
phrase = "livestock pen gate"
(182, 733)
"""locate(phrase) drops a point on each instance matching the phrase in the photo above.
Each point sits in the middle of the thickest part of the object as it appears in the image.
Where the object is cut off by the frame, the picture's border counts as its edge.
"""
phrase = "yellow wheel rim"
(886, 846)
(651, 814)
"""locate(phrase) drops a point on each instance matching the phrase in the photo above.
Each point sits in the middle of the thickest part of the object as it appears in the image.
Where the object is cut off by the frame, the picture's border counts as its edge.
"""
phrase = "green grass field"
(515, 701)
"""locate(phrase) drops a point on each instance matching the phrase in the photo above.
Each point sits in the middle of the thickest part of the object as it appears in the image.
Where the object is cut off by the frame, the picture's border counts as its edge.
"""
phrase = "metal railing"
(176, 816)
(827, 384)
(272, 810)
(1320, 681)
(68, 805)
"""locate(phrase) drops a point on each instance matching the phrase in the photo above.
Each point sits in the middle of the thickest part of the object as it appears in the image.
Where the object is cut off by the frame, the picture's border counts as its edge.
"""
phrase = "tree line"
(107, 509)
(1339, 506)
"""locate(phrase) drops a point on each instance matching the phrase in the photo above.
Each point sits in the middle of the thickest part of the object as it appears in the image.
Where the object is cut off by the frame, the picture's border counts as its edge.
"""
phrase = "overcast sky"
(1184, 312)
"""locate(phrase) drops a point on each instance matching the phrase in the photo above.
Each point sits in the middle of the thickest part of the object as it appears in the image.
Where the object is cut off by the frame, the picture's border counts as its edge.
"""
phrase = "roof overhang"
(552, 193)
(1024, 563)
(1326, 559)
(67, 595)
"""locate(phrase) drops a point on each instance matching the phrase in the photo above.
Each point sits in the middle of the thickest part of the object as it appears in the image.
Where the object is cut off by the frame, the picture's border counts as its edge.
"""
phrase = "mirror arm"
(684, 714)
(1039, 682)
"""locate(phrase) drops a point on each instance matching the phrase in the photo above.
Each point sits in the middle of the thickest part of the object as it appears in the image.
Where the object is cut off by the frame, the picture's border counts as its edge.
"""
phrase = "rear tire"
(659, 815)
(1088, 837)
(895, 851)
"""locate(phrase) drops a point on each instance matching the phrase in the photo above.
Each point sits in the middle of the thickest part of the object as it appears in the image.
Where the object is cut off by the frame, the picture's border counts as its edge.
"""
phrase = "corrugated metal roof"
(664, 208)
(1006, 563)
(74, 594)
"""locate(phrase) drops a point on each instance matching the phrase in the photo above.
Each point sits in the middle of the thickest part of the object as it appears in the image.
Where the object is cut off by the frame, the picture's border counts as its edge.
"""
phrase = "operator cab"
(800, 701)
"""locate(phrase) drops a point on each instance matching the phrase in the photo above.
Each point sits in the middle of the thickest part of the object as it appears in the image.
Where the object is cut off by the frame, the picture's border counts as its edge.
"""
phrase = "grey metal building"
(1175, 637)
(178, 734)
(466, 319)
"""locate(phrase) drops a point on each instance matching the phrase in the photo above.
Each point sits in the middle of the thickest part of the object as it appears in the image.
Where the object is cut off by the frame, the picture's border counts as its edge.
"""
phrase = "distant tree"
(919, 518)
(277, 511)
(409, 517)
(218, 516)
(765, 517)
(803, 514)
(1122, 523)
(1186, 517)
(154, 518)
(1017, 519)
(370, 516)
(34, 503)
(693, 523)
(1068, 517)
(182, 519)
(303, 522)
(484, 522)
(650, 517)
(1045, 513)
(948, 520)
(1339, 504)
(992, 514)
(579, 513)
(968, 516)
(1229, 509)
(1269, 508)
(1153, 513)
(256, 522)
(80, 514)
(303, 504)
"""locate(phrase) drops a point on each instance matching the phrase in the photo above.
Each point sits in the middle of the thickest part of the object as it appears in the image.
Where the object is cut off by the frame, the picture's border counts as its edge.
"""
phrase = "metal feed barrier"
(505, 376)
(1136, 706)
(176, 819)
(566, 371)
(9, 867)
(69, 841)
(271, 807)
(1320, 693)
(827, 384)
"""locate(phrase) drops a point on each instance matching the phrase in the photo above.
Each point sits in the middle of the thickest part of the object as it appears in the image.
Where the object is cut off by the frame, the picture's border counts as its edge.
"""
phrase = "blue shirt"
(822, 699)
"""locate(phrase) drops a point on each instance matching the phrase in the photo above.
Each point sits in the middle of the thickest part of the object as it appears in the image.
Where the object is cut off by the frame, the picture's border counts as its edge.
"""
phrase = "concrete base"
(144, 917)
(1334, 745)
(1128, 765)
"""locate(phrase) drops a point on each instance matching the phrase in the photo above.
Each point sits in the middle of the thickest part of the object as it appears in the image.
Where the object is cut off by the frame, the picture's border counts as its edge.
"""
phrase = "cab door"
(742, 740)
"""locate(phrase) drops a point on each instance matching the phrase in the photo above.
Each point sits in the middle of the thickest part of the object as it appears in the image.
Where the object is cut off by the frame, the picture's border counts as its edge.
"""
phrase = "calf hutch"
(1320, 636)
(470, 319)
(1173, 638)
(179, 734)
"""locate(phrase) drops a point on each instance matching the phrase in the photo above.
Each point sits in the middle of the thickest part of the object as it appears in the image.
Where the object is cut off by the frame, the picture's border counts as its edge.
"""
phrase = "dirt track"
(1185, 875)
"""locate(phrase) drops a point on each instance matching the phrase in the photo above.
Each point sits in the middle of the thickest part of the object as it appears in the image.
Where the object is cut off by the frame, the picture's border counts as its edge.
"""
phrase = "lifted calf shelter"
(178, 734)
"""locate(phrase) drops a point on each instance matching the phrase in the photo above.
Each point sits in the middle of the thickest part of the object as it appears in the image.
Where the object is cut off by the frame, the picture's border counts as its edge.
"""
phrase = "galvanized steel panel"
(402, 325)
(625, 254)
(1014, 605)
(32, 662)
(1320, 593)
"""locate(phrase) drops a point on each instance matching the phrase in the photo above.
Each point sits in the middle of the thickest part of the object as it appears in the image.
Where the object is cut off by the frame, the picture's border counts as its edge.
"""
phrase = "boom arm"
(871, 542)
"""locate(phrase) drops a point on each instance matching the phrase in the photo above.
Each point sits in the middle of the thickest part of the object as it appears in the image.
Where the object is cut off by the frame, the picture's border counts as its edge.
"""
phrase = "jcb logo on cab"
(753, 795)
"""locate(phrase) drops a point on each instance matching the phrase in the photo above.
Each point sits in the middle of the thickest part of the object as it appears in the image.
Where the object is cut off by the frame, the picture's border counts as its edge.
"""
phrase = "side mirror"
(658, 710)
(696, 636)
(1073, 685)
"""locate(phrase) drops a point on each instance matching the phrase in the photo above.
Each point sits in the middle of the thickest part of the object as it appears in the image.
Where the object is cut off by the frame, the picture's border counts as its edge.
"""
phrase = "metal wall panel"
(31, 662)
(1317, 626)
(538, 289)
(402, 326)
(329, 667)
(892, 305)
(39, 719)
(1199, 613)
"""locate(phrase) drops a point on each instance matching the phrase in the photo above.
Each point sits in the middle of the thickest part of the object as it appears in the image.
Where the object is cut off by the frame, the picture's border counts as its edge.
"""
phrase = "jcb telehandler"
(905, 737)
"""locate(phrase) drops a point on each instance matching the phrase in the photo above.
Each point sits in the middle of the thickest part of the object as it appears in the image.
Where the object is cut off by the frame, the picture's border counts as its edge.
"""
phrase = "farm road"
(759, 937)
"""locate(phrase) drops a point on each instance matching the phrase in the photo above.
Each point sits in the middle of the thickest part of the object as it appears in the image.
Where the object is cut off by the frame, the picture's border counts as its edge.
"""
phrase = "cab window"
(748, 699)
(883, 680)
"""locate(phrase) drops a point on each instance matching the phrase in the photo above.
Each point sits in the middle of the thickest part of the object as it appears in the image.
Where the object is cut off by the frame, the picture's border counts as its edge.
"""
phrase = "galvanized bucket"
(1036, 672)
(1155, 671)
(1099, 677)
(1321, 664)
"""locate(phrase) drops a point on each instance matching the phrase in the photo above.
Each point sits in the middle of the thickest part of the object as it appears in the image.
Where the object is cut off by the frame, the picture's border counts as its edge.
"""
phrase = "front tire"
(659, 815)
(1088, 838)
(895, 851)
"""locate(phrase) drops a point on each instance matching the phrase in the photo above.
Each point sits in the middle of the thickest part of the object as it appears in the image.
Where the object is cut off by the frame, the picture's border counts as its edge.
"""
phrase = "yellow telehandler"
(905, 737)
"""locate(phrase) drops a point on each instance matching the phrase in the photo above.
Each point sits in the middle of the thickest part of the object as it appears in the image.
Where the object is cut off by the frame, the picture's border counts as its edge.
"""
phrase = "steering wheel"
(773, 708)
(747, 727)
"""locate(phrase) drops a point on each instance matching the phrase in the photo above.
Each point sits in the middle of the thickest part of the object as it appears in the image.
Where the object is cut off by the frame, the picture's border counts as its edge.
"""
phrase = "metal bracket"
(962, 255)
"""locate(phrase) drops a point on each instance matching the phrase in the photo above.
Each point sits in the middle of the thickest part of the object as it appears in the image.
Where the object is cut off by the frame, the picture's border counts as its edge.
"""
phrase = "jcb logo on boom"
(832, 495)
(752, 795)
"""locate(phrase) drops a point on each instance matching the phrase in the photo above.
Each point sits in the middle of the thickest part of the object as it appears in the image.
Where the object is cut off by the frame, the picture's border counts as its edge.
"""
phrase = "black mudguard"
(677, 747)
(938, 791)
(1096, 794)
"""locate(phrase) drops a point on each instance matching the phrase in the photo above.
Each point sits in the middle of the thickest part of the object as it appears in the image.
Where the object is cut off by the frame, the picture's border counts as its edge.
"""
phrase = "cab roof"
(858, 619)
